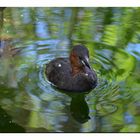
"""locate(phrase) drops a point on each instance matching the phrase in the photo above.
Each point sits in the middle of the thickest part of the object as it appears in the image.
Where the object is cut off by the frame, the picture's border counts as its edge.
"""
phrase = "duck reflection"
(78, 107)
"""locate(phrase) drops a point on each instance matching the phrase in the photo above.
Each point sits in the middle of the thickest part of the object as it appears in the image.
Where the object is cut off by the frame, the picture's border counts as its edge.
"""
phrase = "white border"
(70, 3)
(69, 136)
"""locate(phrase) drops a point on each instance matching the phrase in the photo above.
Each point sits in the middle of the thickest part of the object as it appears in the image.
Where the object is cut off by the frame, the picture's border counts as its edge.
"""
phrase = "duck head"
(79, 58)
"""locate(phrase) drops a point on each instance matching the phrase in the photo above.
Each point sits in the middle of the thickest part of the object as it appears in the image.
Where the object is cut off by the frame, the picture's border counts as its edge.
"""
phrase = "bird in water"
(73, 73)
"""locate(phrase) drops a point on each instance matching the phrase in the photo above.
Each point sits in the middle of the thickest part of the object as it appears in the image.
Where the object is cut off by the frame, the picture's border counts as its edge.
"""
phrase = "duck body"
(66, 75)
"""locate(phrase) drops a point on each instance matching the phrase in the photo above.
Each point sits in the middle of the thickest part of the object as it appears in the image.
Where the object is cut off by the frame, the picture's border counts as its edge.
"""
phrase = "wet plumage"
(73, 73)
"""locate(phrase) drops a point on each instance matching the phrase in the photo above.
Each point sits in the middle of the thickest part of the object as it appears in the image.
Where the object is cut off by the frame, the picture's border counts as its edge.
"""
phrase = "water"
(31, 37)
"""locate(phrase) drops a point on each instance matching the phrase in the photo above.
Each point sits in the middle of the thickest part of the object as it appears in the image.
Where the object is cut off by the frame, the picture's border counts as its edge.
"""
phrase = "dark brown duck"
(73, 73)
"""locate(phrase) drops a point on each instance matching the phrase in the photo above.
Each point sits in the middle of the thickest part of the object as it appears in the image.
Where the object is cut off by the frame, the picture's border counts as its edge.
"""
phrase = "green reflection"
(31, 37)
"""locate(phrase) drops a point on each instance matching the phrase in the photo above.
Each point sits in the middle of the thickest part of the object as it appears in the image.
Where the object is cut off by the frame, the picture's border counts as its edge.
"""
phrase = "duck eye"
(81, 60)
(80, 57)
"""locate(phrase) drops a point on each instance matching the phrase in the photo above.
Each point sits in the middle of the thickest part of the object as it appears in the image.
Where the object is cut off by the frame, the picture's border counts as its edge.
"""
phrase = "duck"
(73, 73)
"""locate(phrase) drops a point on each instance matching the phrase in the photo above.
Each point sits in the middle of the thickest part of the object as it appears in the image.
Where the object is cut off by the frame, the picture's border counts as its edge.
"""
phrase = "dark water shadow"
(79, 108)
(7, 125)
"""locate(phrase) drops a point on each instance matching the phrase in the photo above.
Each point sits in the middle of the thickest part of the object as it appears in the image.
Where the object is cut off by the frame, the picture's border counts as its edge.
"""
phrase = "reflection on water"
(79, 109)
(31, 37)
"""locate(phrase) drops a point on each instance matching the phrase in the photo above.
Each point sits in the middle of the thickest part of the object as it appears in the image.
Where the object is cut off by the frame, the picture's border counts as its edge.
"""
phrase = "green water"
(31, 37)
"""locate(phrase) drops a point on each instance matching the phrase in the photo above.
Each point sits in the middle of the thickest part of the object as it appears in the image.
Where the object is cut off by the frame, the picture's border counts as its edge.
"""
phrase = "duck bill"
(85, 62)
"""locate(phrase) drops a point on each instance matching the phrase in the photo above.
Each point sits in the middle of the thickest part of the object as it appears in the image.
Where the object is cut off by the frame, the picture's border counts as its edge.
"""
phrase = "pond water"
(31, 37)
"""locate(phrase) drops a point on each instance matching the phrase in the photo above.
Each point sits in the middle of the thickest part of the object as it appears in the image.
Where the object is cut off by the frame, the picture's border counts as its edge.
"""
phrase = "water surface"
(31, 37)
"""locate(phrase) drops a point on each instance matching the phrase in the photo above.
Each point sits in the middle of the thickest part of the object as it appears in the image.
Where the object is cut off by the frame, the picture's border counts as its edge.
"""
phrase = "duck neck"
(76, 70)
(75, 64)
